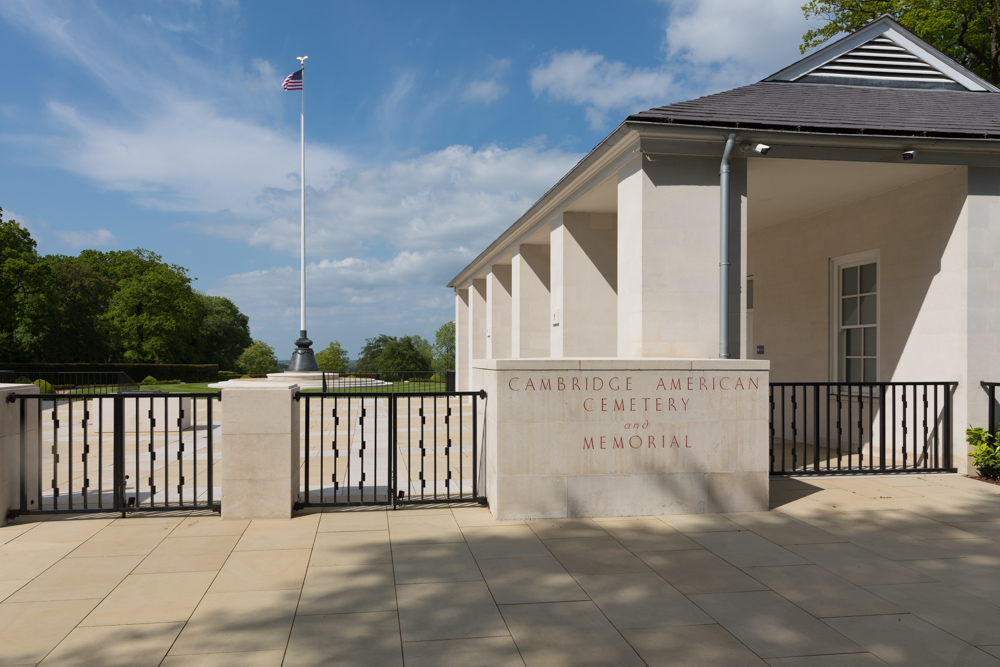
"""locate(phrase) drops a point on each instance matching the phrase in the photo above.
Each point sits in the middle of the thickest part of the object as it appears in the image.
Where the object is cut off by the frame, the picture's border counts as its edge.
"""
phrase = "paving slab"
(502, 541)
(821, 592)
(236, 659)
(522, 580)
(428, 563)
(65, 529)
(345, 589)
(208, 525)
(842, 660)
(565, 528)
(423, 528)
(351, 548)
(124, 540)
(352, 521)
(699, 571)
(134, 645)
(747, 549)
(781, 528)
(566, 633)
(345, 639)
(27, 561)
(10, 586)
(642, 600)
(198, 553)
(699, 523)
(858, 565)
(152, 598)
(595, 555)
(648, 535)
(969, 618)
(237, 622)
(279, 569)
(297, 533)
(448, 610)
(492, 651)
(690, 645)
(478, 516)
(29, 630)
(907, 640)
(771, 626)
(78, 579)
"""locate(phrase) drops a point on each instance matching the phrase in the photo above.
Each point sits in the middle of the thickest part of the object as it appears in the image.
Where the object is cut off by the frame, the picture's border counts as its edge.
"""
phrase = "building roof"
(881, 80)
(839, 109)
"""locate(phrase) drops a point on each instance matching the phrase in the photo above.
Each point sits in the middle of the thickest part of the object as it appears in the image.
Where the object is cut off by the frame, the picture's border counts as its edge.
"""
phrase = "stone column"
(498, 296)
(462, 339)
(259, 468)
(531, 302)
(10, 450)
(588, 294)
(668, 257)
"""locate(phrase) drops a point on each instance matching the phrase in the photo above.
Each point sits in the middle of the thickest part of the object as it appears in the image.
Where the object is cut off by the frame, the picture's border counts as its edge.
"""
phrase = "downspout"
(724, 248)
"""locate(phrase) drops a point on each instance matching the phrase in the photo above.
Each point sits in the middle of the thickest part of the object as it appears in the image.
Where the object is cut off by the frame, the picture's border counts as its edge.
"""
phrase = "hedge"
(182, 372)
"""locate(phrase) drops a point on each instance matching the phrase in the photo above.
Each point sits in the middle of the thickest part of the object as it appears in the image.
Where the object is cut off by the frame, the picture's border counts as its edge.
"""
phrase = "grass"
(185, 388)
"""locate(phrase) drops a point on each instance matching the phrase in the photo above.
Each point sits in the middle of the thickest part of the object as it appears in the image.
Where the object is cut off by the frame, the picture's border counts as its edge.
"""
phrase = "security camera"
(761, 148)
(909, 155)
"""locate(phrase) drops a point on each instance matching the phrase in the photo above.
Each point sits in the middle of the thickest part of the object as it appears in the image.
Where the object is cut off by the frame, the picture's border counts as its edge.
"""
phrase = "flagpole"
(303, 358)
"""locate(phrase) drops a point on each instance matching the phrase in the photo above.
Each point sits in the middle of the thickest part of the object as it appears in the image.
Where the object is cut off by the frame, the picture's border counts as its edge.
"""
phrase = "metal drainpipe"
(724, 248)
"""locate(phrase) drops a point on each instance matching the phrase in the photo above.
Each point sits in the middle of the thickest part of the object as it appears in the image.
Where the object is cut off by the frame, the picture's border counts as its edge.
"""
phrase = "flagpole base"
(303, 359)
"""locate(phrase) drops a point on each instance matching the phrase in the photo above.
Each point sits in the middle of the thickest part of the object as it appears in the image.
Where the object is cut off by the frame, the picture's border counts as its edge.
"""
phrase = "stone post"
(11, 450)
(259, 469)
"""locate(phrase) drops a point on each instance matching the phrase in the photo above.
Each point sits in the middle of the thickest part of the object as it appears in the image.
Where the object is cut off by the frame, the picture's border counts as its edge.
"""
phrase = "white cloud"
(599, 85)
(488, 89)
(97, 238)
(457, 197)
(743, 40)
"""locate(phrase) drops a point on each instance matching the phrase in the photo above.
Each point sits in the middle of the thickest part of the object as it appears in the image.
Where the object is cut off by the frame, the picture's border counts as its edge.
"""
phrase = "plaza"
(896, 570)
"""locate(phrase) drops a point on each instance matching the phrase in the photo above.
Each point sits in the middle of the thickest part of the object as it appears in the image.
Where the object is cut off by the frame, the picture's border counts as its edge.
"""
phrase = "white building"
(860, 224)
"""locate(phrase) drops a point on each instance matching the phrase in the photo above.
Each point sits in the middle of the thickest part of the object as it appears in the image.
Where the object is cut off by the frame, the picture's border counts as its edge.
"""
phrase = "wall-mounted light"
(761, 148)
(909, 155)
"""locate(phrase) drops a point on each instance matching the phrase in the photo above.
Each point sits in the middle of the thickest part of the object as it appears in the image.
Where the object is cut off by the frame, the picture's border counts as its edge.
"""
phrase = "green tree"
(444, 347)
(966, 30)
(333, 359)
(370, 353)
(68, 317)
(257, 359)
(422, 347)
(154, 314)
(20, 276)
(400, 356)
(223, 334)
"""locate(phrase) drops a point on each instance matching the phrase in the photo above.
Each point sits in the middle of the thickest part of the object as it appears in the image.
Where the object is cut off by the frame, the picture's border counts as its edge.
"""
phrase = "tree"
(966, 30)
(257, 359)
(20, 276)
(399, 356)
(333, 359)
(370, 353)
(154, 314)
(223, 334)
(444, 347)
(422, 347)
(68, 317)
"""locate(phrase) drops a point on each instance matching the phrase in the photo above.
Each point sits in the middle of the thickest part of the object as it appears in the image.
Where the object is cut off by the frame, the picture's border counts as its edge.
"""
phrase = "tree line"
(103, 307)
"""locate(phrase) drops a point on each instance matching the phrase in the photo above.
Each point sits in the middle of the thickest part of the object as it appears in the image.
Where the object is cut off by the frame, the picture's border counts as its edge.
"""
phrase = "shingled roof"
(880, 80)
(807, 107)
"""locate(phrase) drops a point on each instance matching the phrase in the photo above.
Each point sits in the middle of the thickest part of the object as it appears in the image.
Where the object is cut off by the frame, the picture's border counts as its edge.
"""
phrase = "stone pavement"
(843, 572)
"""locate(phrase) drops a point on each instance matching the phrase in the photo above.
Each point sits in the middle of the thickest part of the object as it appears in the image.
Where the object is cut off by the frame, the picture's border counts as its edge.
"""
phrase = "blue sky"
(430, 128)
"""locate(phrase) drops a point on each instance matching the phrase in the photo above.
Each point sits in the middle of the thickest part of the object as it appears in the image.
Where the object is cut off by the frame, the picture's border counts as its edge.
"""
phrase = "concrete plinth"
(259, 470)
(10, 450)
(600, 438)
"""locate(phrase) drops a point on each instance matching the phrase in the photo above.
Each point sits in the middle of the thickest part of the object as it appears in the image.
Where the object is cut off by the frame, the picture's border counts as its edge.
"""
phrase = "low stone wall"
(10, 448)
(598, 438)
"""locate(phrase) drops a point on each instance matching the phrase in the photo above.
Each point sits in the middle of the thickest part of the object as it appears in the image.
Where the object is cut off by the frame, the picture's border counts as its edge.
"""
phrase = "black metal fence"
(389, 382)
(77, 382)
(837, 427)
(991, 392)
(122, 452)
(390, 448)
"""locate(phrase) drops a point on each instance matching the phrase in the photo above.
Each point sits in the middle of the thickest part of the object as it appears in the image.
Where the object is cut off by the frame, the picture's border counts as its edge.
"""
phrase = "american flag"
(293, 81)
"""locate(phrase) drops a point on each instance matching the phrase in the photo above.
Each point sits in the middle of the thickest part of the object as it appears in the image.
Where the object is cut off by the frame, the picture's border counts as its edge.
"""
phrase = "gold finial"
(302, 60)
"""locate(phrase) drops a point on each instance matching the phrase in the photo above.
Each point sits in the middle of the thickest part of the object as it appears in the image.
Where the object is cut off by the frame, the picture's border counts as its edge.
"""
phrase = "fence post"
(947, 425)
(118, 444)
(449, 380)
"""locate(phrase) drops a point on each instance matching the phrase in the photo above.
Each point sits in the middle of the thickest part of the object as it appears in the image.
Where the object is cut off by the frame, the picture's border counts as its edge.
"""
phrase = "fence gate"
(86, 452)
(368, 448)
(824, 428)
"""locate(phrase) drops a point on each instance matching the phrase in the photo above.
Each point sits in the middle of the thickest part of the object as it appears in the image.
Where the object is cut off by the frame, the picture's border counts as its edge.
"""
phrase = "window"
(855, 317)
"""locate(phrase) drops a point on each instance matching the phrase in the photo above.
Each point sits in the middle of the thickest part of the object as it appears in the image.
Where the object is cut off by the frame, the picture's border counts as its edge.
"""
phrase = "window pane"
(854, 370)
(849, 281)
(854, 342)
(849, 311)
(870, 343)
(870, 365)
(867, 278)
(868, 309)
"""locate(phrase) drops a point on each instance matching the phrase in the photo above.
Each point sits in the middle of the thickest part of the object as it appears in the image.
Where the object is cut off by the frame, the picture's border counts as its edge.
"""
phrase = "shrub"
(985, 452)
(22, 380)
(149, 379)
(44, 387)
